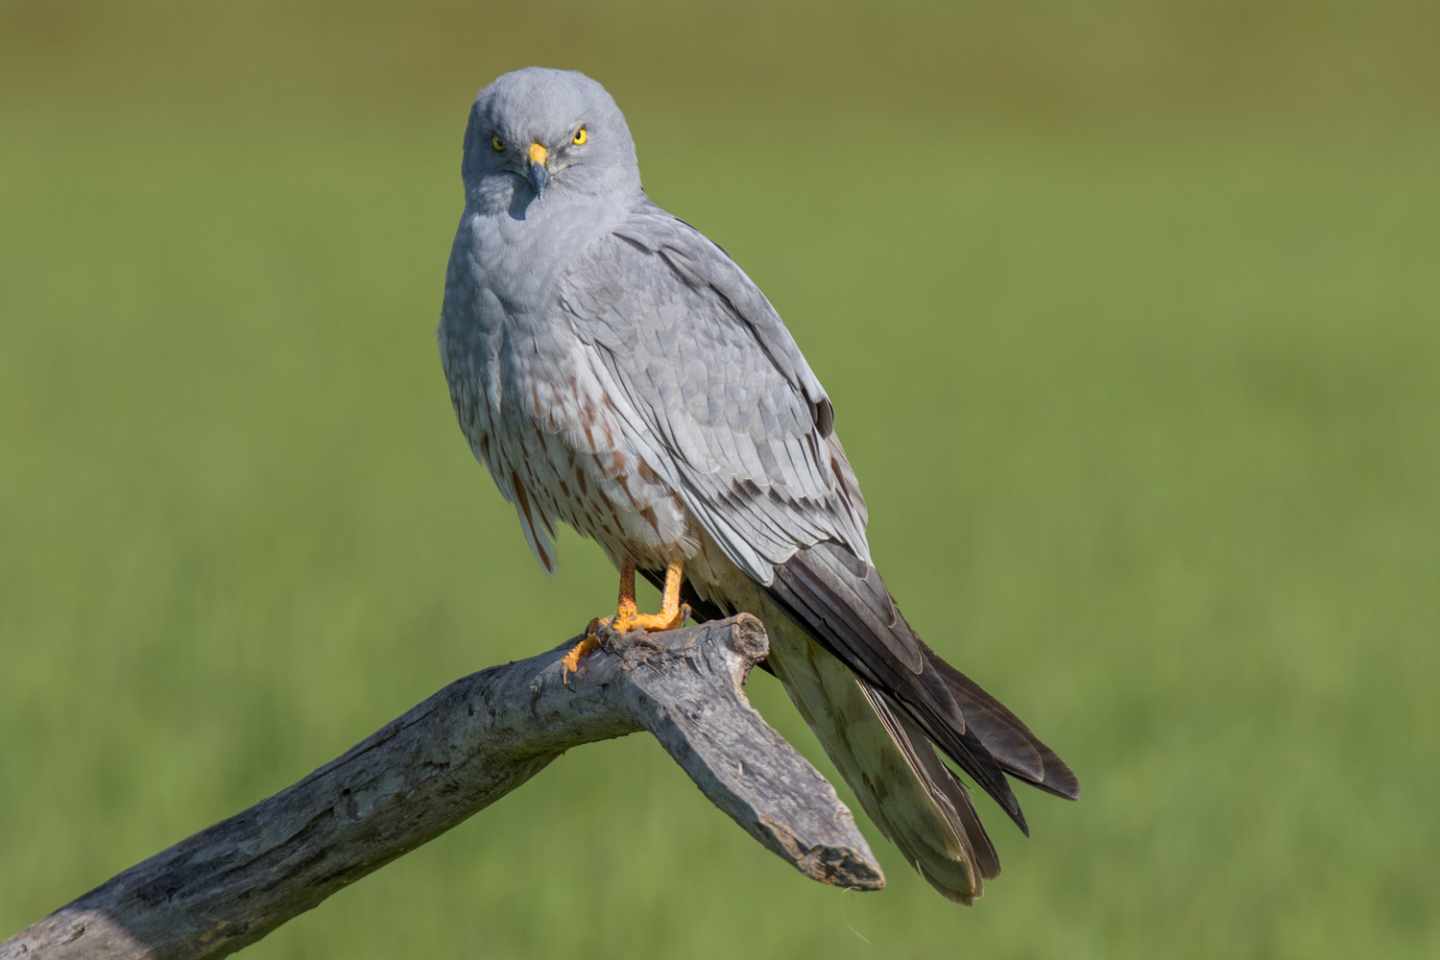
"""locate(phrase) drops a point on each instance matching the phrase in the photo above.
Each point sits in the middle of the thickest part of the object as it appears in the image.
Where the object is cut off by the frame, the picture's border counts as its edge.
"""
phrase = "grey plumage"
(617, 371)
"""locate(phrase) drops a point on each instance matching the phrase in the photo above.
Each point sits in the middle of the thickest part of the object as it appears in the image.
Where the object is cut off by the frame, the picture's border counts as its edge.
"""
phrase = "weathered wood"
(450, 757)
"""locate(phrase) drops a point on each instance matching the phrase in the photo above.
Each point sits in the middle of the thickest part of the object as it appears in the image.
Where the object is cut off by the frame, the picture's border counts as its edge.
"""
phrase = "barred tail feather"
(900, 782)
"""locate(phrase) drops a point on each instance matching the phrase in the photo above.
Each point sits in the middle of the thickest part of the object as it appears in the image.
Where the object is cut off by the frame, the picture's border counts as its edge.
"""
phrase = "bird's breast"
(575, 457)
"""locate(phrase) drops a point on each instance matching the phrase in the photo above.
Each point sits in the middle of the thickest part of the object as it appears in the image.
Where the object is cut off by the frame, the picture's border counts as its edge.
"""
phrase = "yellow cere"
(538, 154)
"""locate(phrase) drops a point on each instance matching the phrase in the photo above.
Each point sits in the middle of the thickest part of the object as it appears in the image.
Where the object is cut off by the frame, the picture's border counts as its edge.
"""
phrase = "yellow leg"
(672, 614)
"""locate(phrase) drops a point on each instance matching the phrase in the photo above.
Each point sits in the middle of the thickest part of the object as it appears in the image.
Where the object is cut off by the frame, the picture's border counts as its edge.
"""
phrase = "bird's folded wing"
(713, 390)
(713, 393)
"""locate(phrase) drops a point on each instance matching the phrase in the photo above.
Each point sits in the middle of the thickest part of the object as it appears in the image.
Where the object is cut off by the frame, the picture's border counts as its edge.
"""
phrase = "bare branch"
(450, 757)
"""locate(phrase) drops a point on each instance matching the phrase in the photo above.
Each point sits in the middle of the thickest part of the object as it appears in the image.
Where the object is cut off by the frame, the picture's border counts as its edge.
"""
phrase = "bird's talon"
(570, 663)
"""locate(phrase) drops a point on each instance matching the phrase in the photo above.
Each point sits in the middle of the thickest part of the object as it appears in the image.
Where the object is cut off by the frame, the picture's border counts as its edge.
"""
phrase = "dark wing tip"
(844, 604)
(1060, 779)
(1013, 745)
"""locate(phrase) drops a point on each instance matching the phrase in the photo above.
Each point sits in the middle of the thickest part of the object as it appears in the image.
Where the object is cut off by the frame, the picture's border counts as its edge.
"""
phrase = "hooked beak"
(539, 174)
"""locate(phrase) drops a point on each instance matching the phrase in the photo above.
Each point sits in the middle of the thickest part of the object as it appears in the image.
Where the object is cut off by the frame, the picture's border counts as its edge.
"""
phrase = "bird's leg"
(672, 613)
(625, 603)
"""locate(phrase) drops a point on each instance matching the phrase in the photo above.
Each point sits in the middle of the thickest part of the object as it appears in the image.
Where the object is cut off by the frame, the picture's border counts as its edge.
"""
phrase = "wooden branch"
(450, 757)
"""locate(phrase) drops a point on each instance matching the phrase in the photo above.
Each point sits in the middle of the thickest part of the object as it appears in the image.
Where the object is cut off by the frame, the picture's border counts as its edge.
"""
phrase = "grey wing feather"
(714, 391)
(703, 264)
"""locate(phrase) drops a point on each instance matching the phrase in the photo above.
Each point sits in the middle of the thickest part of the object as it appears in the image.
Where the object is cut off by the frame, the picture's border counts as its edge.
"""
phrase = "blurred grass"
(1151, 313)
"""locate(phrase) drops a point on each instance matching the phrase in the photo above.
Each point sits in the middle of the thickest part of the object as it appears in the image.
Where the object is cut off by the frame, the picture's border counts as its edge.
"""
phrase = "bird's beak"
(539, 174)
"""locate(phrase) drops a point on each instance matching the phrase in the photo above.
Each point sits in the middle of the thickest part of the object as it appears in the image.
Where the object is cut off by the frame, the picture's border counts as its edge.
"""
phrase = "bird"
(616, 371)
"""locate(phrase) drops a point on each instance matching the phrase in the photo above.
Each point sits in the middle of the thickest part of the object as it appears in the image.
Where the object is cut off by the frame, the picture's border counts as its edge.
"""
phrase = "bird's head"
(538, 130)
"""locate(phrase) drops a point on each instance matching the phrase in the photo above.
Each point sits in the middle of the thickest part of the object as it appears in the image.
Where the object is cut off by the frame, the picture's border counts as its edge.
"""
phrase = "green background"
(1129, 314)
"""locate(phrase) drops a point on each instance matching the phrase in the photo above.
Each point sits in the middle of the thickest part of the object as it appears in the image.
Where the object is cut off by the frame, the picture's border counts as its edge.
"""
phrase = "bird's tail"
(917, 702)
(890, 765)
(882, 703)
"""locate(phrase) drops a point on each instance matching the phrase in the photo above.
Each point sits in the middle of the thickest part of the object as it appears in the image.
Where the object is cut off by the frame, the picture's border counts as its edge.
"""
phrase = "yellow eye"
(497, 144)
(581, 137)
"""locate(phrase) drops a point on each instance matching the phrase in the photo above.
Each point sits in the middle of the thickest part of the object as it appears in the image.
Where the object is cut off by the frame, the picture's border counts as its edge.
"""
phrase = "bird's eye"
(497, 144)
(581, 137)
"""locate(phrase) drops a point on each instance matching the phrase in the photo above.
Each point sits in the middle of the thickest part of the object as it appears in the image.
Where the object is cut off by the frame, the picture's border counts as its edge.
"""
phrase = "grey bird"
(617, 371)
